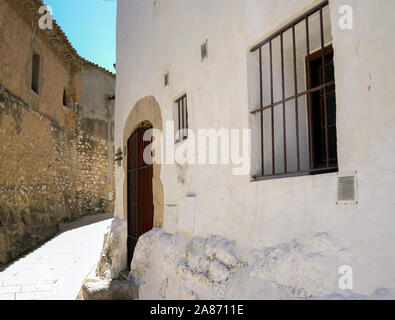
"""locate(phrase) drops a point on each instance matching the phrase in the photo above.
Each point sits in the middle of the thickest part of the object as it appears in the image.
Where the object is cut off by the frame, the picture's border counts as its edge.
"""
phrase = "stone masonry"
(56, 145)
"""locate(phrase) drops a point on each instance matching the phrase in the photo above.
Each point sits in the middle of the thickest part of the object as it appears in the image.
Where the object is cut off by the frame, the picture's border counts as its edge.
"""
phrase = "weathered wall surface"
(95, 144)
(183, 267)
(272, 212)
(53, 165)
(36, 177)
(113, 256)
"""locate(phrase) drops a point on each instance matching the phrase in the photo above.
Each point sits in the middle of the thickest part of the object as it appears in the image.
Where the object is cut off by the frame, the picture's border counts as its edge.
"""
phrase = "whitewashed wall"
(155, 37)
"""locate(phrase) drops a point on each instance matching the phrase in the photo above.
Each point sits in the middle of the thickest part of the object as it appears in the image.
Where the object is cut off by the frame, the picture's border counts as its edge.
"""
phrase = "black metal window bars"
(328, 166)
(182, 111)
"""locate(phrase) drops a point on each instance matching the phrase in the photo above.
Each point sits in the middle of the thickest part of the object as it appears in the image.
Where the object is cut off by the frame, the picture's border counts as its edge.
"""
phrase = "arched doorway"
(140, 205)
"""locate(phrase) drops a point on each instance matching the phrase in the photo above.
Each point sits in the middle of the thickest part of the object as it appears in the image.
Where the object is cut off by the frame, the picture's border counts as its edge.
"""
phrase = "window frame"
(36, 72)
(64, 100)
(181, 105)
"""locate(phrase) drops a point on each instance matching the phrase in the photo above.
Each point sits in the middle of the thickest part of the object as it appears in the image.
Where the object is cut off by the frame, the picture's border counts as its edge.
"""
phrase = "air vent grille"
(347, 189)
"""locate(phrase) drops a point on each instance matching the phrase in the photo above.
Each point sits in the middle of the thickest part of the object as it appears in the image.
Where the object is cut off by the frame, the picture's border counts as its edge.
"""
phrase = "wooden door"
(139, 191)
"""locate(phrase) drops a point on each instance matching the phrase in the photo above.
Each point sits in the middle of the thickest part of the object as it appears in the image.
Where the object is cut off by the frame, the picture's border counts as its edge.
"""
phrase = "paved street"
(57, 268)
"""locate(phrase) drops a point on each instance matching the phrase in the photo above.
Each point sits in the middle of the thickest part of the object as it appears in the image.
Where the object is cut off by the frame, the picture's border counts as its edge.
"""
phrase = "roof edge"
(57, 35)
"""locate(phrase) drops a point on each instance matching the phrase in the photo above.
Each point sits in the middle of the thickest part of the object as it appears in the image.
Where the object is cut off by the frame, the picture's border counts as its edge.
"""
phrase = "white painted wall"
(155, 37)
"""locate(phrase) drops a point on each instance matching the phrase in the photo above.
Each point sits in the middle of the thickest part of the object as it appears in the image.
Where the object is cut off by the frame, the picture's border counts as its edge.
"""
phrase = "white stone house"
(318, 223)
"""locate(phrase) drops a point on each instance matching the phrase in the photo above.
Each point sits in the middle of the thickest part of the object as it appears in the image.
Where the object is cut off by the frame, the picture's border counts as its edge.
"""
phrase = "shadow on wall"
(84, 221)
(23, 230)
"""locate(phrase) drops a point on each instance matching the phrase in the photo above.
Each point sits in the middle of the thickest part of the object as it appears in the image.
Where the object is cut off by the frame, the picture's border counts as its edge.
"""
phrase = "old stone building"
(56, 131)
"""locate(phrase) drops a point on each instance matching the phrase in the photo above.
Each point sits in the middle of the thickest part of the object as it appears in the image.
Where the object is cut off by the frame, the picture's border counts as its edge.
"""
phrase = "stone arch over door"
(146, 109)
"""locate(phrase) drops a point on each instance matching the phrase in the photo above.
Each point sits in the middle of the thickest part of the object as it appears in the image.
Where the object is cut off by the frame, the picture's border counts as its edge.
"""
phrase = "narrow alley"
(56, 269)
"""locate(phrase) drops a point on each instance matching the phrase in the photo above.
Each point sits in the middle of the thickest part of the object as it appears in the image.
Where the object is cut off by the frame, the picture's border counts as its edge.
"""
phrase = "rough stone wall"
(36, 177)
(53, 167)
(96, 145)
(92, 157)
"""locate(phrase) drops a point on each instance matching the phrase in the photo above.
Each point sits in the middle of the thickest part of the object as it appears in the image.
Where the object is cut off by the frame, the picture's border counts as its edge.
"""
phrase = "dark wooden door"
(139, 191)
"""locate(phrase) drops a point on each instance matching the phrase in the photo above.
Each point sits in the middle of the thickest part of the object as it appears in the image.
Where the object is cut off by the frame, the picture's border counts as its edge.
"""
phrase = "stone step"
(109, 290)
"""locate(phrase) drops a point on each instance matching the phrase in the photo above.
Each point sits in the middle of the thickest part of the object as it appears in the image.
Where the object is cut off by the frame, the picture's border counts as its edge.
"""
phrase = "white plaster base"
(113, 256)
(181, 267)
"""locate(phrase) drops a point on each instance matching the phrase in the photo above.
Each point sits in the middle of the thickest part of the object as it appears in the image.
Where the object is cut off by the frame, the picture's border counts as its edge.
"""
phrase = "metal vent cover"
(347, 188)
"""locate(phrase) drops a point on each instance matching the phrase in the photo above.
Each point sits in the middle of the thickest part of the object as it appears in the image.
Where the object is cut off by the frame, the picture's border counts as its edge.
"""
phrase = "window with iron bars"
(182, 118)
(295, 123)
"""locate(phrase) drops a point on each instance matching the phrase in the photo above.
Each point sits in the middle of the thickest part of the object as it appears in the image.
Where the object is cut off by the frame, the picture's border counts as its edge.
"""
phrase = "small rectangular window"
(182, 118)
(36, 73)
(64, 98)
(204, 50)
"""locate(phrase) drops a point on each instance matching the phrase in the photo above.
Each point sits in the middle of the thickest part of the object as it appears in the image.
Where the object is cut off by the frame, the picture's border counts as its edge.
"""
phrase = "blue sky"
(90, 26)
